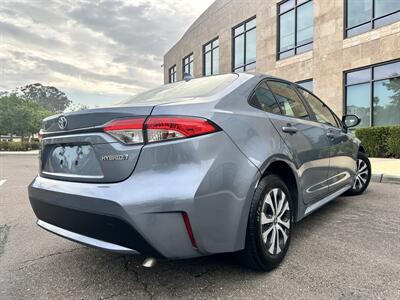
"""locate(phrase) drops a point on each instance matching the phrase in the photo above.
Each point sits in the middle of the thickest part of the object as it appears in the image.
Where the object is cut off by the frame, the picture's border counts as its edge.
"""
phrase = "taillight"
(127, 131)
(40, 135)
(156, 129)
(170, 128)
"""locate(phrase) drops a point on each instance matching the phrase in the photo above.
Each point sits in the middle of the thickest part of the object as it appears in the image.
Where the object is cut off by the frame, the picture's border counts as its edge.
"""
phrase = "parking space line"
(2, 181)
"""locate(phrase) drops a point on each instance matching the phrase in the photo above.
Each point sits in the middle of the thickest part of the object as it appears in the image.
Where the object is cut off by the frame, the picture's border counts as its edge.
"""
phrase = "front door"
(342, 149)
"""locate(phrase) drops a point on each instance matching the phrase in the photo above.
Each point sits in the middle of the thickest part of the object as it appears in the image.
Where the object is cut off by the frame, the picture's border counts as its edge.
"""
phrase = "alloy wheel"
(275, 221)
(361, 175)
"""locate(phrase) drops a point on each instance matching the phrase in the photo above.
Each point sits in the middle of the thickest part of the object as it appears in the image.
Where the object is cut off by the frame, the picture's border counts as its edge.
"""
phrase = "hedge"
(380, 141)
(18, 146)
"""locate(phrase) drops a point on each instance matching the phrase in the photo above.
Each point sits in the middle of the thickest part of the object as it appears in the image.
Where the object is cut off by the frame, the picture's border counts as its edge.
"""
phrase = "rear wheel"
(269, 226)
(363, 175)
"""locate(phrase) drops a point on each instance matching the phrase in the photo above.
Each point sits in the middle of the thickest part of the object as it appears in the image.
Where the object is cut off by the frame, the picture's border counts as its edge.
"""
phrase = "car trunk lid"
(75, 147)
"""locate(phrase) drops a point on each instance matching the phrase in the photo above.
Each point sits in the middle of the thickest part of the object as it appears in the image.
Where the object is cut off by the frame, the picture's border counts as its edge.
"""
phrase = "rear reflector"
(157, 129)
(189, 229)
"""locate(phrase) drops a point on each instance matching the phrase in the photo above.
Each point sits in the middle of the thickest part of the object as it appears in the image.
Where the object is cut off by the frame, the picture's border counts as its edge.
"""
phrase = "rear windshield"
(200, 87)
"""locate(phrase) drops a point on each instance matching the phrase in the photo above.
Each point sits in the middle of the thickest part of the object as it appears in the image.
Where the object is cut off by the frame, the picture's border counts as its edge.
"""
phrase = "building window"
(172, 74)
(295, 27)
(244, 46)
(187, 65)
(364, 15)
(307, 84)
(211, 58)
(373, 94)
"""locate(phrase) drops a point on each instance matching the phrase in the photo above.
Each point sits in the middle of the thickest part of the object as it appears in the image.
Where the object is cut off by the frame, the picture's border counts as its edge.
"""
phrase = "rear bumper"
(99, 231)
(85, 240)
(206, 177)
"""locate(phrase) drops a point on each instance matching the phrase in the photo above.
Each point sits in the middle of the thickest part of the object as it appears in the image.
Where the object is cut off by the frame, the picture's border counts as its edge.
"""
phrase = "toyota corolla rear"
(156, 175)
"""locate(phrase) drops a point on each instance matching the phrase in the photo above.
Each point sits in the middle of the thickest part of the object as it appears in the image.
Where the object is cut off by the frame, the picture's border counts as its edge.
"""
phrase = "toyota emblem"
(62, 122)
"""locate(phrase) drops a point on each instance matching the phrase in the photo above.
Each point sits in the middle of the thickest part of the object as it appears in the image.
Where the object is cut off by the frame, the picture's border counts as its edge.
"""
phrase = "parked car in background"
(218, 164)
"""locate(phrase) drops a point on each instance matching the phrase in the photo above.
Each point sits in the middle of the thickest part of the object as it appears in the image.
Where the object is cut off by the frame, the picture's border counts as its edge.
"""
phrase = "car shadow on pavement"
(105, 275)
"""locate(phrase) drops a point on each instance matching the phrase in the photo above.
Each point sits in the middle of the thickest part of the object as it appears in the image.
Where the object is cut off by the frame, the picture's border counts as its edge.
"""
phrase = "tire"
(363, 176)
(260, 253)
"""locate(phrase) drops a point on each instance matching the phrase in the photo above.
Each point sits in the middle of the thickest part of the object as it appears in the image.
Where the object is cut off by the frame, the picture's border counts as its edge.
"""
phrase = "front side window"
(187, 65)
(172, 74)
(244, 46)
(364, 15)
(263, 99)
(288, 100)
(373, 94)
(321, 111)
(211, 58)
(296, 25)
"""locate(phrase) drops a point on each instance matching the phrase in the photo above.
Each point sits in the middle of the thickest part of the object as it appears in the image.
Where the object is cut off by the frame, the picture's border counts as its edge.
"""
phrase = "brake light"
(127, 131)
(156, 129)
(169, 128)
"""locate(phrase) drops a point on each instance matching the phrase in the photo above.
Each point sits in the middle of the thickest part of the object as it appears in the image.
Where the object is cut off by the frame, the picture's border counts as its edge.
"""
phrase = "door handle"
(289, 129)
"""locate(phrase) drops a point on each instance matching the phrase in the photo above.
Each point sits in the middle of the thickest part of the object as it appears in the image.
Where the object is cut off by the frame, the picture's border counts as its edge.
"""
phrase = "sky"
(96, 51)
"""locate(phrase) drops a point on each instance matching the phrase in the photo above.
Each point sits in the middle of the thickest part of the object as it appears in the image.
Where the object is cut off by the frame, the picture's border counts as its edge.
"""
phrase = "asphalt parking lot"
(349, 249)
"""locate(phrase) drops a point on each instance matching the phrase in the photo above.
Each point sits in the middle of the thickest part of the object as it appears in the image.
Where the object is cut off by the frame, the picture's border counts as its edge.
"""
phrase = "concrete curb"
(4, 153)
(382, 178)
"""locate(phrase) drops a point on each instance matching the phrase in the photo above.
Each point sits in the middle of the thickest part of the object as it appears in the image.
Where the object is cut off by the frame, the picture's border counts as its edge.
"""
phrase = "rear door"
(342, 153)
(305, 139)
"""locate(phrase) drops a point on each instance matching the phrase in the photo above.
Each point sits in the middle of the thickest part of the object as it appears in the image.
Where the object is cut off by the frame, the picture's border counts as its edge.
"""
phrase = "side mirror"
(351, 121)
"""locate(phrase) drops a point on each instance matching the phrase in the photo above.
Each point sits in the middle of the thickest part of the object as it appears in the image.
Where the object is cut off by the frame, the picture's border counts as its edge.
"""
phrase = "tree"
(21, 116)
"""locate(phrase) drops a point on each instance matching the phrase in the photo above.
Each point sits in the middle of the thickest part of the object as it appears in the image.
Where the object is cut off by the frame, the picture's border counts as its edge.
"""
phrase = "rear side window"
(264, 99)
(321, 111)
(288, 100)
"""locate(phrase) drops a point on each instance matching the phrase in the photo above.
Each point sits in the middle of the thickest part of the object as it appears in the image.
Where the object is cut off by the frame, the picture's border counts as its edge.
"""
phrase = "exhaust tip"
(149, 262)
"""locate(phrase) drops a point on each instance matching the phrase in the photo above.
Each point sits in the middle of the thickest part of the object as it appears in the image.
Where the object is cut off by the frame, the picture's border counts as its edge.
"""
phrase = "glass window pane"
(384, 7)
(250, 67)
(286, 6)
(286, 54)
(308, 85)
(305, 23)
(387, 102)
(207, 64)
(191, 68)
(239, 70)
(239, 30)
(286, 31)
(359, 30)
(251, 24)
(358, 76)
(304, 48)
(387, 71)
(207, 47)
(215, 43)
(251, 44)
(358, 98)
(215, 61)
(358, 12)
(321, 111)
(288, 100)
(387, 20)
(239, 51)
(265, 99)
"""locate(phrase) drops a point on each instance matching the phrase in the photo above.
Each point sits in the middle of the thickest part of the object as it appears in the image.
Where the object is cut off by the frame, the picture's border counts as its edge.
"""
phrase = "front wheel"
(363, 175)
(269, 225)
